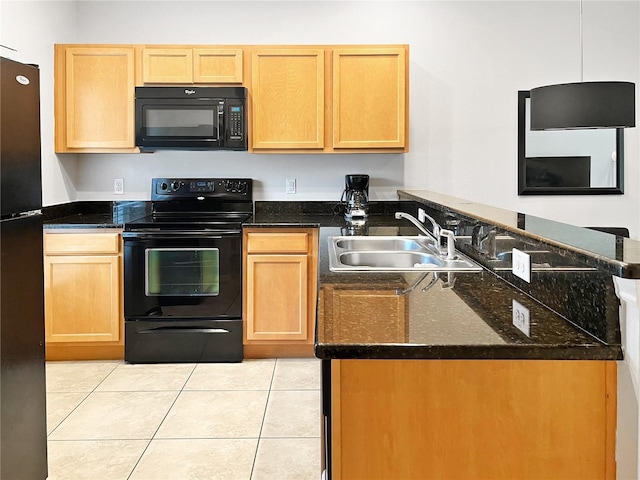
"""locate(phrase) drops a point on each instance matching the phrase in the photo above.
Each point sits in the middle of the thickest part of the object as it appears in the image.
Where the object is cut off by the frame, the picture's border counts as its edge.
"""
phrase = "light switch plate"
(521, 265)
(521, 317)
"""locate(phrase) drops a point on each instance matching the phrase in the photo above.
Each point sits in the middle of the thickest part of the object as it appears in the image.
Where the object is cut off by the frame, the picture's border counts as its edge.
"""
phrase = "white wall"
(468, 60)
(32, 28)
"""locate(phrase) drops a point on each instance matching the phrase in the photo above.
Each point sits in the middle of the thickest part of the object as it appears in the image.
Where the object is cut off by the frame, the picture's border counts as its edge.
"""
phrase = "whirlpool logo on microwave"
(189, 92)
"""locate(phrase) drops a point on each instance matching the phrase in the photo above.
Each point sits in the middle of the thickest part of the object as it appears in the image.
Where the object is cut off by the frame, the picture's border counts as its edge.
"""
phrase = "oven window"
(180, 121)
(182, 272)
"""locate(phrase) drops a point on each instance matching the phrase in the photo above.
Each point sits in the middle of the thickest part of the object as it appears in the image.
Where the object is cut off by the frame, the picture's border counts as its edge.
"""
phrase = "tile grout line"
(161, 422)
(264, 415)
(87, 395)
(180, 390)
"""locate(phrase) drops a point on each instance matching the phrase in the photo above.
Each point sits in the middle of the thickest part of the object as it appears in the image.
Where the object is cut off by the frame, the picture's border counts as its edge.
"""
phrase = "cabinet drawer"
(294, 242)
(81, 243)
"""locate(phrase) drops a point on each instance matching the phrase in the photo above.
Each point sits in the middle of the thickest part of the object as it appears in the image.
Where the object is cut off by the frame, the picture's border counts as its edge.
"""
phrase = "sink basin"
(397, 254)
(389, 259)
(382, 243)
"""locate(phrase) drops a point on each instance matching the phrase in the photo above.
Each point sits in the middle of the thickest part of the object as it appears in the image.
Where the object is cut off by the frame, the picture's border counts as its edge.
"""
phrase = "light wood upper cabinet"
(217, 65)
(83, 300)
(330, 99)
(303, 99)
(167, 65)
(288, 98)
(191, 65)
(94, 104)
(369, 97)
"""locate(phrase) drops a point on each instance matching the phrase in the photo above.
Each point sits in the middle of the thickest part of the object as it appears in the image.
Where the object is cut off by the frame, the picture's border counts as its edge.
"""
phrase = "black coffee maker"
(355, 197)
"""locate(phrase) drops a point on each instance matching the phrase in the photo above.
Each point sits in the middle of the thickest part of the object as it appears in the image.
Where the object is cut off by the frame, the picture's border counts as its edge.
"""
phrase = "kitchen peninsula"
(478, 375)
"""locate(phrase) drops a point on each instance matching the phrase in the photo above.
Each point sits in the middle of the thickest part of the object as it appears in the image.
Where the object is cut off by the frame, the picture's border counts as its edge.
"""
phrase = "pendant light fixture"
(584, 104)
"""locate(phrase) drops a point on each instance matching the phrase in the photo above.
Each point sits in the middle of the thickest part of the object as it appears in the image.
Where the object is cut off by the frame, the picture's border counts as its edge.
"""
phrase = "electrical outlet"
(521, 265)
(521, 317)
(290, 185)
(118, 186)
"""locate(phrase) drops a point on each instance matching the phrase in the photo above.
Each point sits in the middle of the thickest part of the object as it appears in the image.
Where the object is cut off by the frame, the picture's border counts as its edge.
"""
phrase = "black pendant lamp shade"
(583, 105)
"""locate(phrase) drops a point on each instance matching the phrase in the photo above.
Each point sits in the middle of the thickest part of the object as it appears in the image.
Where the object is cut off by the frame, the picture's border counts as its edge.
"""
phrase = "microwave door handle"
(220, 119)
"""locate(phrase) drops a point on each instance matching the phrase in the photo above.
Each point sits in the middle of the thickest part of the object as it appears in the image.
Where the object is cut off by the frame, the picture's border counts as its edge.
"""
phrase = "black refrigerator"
(23, 420)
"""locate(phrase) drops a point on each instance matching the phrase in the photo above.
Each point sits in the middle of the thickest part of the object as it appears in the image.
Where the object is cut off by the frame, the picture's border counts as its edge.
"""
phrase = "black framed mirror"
(568, 162)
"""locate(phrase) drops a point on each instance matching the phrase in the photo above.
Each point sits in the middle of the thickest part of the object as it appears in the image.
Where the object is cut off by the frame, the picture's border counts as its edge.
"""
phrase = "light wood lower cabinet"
(83, 296)
(473, 419)
(280, 270)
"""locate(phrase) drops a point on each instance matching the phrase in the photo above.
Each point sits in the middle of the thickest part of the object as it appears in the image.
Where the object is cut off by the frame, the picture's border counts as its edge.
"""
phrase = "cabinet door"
(82, 298)
(99, 98)
(369, 98)
(473, 419)
(219, 65)
(288, 99)
(277, 297)
(167, 65)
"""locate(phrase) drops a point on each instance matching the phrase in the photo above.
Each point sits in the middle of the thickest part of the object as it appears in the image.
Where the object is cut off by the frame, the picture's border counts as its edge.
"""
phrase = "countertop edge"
(468, 352)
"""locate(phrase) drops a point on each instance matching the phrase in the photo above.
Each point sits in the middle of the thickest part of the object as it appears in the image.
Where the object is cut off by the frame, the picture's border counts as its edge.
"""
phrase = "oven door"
(182, 275)
(179, 123)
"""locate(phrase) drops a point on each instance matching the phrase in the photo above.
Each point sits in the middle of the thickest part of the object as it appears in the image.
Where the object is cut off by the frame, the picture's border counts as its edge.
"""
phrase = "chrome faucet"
(438, 232)
(436, 229)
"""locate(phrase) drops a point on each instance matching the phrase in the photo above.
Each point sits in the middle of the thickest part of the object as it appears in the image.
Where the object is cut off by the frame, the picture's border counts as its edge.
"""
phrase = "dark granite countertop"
(93, 214)
(615, 254)
(471, 320)
(317, 214)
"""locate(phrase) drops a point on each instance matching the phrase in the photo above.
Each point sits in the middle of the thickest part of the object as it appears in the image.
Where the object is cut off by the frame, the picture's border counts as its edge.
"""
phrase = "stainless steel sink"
(383, 243)
(399, 259)
(399, 254)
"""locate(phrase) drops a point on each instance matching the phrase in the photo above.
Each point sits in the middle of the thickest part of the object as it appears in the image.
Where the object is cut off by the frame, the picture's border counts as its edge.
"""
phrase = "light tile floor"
(255, 420)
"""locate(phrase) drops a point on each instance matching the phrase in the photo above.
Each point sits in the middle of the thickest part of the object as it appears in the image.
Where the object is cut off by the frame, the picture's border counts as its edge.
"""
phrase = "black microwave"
(191, 118)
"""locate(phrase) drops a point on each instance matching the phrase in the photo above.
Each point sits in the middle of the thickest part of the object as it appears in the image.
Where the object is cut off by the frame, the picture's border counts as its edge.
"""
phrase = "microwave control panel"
(236, 122)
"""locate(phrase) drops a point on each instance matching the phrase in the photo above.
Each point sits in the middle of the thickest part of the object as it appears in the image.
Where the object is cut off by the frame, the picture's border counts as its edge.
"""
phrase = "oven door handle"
(180, 234)
(183, 330)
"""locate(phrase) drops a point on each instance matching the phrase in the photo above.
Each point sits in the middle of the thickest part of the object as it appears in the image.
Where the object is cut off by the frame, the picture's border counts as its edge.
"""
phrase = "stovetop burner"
(197, 203)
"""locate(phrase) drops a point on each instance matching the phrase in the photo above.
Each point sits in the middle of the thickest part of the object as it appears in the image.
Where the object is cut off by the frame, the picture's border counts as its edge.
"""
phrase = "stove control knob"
(175, 185)
(164, 186)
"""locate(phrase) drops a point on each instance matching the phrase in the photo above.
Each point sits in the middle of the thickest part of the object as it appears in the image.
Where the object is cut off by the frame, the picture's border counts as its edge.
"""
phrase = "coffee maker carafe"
(356, 196)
